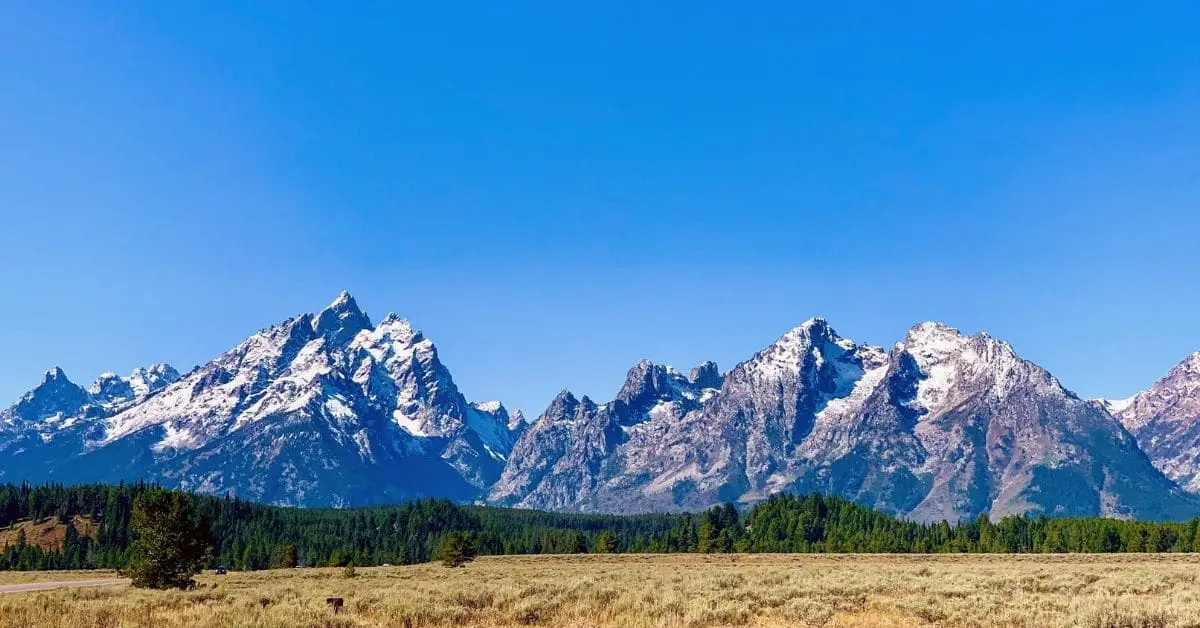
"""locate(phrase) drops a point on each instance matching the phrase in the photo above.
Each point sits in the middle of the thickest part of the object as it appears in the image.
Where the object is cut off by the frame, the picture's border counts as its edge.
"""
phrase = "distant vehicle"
(221, 570)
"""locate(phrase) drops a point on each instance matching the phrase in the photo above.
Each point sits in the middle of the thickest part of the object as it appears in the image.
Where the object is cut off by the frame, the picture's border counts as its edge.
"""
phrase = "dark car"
(221, 570)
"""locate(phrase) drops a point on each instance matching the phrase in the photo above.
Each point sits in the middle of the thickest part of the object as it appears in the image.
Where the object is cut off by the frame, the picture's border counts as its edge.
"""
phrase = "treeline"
(244, 535)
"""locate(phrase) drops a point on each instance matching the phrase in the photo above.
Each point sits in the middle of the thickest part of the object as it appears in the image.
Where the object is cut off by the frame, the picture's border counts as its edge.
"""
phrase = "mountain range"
(330, 409)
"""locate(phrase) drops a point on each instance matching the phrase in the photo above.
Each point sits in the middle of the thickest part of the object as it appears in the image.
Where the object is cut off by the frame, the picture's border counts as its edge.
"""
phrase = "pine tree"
(457, 549)
(169, 545)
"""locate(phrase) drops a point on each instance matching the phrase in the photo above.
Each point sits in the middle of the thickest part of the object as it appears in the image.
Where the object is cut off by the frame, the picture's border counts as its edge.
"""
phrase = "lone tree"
(606, 543)
(457, 549)
(169, 544)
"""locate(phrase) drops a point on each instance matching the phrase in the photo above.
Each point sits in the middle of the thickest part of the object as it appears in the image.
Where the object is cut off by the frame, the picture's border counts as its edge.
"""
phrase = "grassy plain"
(1099, 591)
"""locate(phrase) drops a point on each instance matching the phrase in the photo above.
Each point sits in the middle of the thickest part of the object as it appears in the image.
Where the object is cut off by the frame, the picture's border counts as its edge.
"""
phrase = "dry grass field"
(1101, 591)
(21, 577)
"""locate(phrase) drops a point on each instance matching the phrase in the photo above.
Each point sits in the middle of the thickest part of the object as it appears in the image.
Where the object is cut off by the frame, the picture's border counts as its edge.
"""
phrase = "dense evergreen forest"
(244, 535)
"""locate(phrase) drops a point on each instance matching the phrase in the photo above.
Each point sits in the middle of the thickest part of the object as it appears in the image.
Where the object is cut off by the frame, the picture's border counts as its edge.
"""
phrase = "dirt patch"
(48, 533)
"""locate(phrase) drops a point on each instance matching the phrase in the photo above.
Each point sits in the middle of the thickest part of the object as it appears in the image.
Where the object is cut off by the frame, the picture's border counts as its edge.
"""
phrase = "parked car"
(221, 570)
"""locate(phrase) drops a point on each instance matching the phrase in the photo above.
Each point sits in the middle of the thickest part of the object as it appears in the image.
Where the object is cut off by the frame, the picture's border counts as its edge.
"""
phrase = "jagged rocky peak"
(54, 375)
(1174, 398)
(148, 380)
(932, 342)
(647, 381)
(512, 421)
(655, 390)
(55, 395)
(705, 375)
(1165, 420)
(561, 407)
(980, 364)
(811, 357)
(811, 344)
(320, 409)
(341, 320)
(111, 388)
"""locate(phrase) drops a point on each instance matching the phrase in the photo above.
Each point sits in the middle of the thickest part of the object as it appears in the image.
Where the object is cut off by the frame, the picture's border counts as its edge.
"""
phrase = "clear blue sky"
(553, 191)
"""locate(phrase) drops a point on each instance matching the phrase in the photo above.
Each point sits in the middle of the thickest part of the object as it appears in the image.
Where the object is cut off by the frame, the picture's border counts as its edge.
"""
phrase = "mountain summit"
(320, 409)
(1165, 419)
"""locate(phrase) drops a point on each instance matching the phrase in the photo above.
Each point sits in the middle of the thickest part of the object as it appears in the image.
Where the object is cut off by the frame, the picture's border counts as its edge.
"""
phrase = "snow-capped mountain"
(942, 426)
(54, 420)
(1165, 419)
(331, 409)
(324, 409)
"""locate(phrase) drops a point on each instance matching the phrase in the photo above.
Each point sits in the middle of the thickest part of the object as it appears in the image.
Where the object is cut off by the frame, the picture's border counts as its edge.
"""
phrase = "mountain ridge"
(329, 408)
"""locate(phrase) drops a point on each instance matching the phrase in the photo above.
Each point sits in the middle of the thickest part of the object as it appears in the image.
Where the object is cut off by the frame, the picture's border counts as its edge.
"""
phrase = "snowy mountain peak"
(1116, 406)
(148, 380)
(934, 337)
(488, 406)
(341, 320)
(55, 396)
(321, 409)
(1165, 419)
(54, 374)
(110, 388)
(650, 388)
(812, 342)
(516, 421)
(815, 322)
(1189, 367)
(950, 361)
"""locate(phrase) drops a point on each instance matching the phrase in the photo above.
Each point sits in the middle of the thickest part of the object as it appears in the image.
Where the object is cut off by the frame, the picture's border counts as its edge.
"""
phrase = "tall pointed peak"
(1190, 364)
(816, 322)
(813, 328)
(341, 320)
(639, 381)
(814, 332)
(516, 421)
(56, 394)
(53, 375)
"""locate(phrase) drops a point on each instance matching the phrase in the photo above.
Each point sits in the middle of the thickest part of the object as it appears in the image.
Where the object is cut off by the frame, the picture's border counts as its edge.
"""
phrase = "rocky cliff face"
(1165, 419)
(942, 426)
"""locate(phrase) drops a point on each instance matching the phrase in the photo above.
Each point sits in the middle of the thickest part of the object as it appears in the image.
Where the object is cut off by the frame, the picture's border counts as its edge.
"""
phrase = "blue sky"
(554, 191)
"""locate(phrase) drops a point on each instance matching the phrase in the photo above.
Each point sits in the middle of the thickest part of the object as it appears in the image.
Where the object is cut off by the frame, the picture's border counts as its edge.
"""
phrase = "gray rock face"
(580, 456)
(322, 409)
(1165, 419)
(943, 426)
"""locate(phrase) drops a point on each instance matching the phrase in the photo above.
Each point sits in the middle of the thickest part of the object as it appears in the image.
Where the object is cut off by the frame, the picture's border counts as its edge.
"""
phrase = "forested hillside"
(244, 535)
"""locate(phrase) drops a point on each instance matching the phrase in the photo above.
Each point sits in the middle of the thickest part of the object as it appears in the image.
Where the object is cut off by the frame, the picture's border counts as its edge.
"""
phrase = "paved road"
(69, 584)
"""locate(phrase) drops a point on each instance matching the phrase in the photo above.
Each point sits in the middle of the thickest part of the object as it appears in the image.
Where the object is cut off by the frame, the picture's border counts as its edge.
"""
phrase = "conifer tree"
(169, 544)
